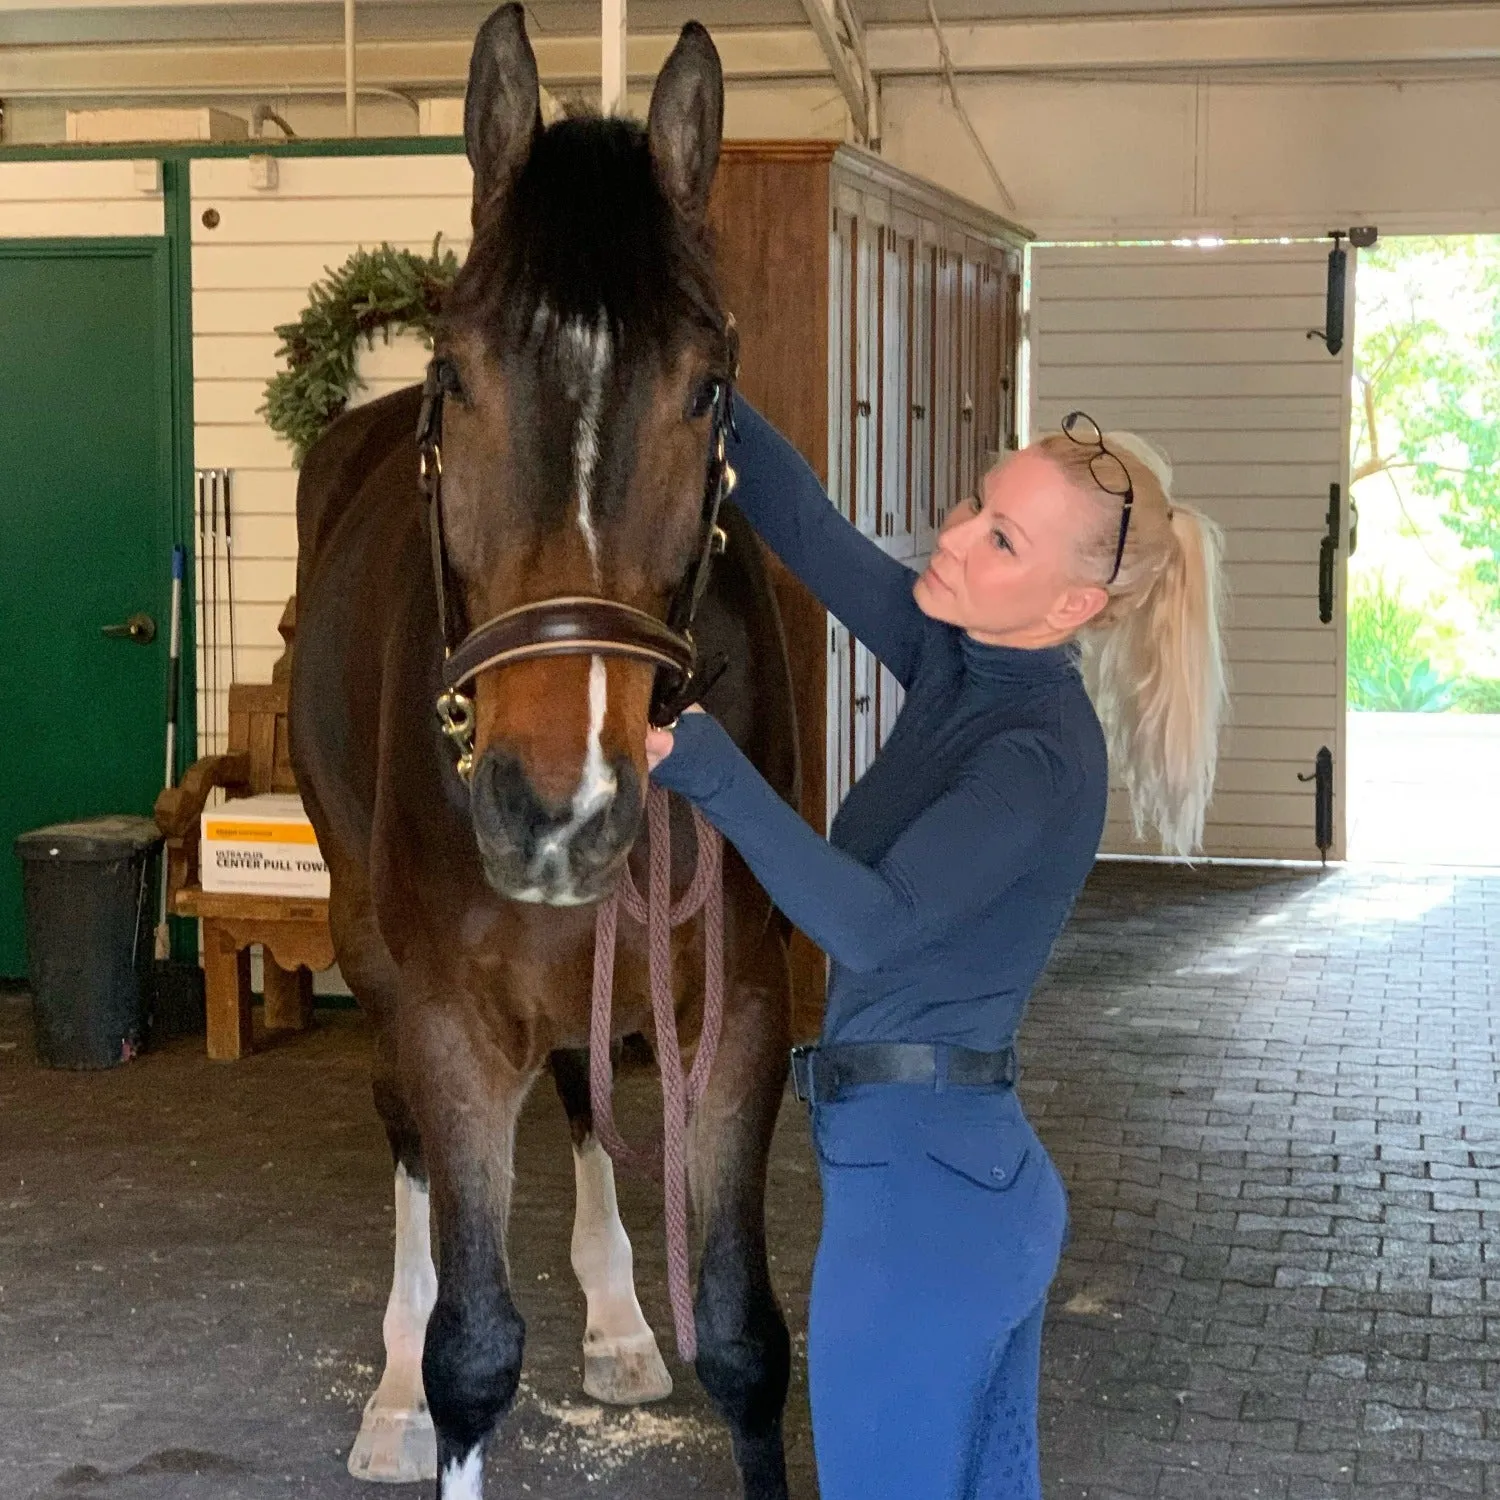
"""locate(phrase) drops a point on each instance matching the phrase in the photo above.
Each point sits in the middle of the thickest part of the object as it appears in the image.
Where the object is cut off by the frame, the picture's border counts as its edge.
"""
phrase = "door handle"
(140, 628)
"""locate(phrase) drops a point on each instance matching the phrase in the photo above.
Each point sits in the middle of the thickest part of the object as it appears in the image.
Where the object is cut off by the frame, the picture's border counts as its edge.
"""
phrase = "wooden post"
(289, 995)
(226, 976)
(614, 77)
(351, 102)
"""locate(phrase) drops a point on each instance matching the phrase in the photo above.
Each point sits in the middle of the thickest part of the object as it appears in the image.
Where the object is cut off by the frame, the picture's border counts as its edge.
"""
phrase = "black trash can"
(88, 937)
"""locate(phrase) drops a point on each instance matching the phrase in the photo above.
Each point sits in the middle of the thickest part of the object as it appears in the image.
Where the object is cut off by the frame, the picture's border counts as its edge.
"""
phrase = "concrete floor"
(1273, 1095)
(1424, 789)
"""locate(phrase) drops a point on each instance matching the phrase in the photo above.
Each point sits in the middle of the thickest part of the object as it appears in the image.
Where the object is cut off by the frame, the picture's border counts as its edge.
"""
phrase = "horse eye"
(449, 380)
(703, 399)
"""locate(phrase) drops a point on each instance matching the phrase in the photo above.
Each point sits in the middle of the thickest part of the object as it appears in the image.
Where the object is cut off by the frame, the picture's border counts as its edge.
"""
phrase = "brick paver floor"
(1273, 1094)
(1274, 1097)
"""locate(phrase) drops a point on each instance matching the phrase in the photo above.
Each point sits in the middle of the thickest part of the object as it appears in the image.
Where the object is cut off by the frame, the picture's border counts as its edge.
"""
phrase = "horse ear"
(687, 121)
(502, 105)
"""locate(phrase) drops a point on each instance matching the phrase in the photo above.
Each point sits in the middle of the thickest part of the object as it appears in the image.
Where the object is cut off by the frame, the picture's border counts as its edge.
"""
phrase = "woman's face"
(1005, 562)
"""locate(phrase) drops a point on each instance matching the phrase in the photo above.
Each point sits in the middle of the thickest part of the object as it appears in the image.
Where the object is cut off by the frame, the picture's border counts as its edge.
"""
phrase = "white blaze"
(598, 782)
(596, 786)
(588, 350)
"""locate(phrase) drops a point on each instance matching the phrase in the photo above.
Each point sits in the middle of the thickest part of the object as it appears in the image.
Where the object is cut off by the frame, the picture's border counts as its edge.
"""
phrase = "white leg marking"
(464, 1481)
(396, 1440)
(621, 1362)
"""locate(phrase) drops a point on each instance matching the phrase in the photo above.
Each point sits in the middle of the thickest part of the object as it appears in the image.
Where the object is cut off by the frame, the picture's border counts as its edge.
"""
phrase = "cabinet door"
(888, 700)
(841, 360)
(968, 373)
(866, 415)
(1010, 348)
(866, 717)
(840, 763)
(919, 441)
(989, 373)
(945, 397)
(895, 405)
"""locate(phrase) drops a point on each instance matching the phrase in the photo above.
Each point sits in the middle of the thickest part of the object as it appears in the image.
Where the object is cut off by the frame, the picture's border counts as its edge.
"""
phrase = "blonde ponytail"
(1153, 656)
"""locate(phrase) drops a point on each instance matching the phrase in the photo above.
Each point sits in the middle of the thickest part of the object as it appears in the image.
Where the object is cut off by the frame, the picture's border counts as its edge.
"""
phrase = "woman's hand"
(659, 742)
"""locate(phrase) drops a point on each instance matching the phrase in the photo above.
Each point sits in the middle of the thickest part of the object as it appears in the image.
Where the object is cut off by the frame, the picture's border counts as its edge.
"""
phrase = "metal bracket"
(1322, 775)
(1327, 551)
(456, 714)
(1332, 333)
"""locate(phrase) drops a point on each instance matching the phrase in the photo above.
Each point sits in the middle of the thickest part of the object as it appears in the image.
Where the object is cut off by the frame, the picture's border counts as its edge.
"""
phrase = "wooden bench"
(293, 932)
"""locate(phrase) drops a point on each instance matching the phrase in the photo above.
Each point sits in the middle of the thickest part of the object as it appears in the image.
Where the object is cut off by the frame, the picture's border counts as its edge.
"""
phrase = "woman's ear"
(1076, 606)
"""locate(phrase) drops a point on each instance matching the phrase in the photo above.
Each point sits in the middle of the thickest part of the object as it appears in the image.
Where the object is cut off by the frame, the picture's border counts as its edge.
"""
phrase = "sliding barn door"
(1205, 351)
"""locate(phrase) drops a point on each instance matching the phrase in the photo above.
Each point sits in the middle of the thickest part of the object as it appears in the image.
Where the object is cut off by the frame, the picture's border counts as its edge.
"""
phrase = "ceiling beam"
(1349, 36)
(269, 67)
(852, 76)
(1412, 35)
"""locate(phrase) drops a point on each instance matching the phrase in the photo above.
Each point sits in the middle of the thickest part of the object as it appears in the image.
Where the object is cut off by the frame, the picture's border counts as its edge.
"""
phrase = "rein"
(679, 1093)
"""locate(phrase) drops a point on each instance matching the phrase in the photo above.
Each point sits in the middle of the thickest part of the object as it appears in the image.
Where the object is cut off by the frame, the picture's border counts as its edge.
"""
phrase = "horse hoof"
(625, 1372)
(395, 1445)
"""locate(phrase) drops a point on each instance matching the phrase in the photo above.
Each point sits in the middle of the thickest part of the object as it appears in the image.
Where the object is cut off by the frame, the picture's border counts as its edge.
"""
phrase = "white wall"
(1141, 158)
(1144, 157)
(76, 198)
(251, 272)
(812, 110)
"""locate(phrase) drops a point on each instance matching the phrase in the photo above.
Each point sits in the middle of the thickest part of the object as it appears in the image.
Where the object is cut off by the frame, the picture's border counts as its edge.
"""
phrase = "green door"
(86, 521)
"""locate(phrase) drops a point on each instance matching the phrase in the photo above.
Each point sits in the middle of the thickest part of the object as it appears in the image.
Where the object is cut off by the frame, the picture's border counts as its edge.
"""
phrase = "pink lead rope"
(679, 1095)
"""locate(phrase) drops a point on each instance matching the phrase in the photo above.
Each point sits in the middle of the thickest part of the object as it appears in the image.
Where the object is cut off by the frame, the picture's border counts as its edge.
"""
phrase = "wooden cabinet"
(878, 331)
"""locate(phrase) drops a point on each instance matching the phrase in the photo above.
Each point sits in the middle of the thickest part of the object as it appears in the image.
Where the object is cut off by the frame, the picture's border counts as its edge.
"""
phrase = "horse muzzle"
(553, 855)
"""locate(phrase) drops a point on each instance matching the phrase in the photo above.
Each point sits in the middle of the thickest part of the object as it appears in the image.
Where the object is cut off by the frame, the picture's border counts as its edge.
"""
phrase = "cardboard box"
(262, 846)
(109, 126)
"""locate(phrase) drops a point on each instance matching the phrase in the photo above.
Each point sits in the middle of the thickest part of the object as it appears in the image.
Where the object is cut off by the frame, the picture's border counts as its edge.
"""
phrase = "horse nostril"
(505, 806)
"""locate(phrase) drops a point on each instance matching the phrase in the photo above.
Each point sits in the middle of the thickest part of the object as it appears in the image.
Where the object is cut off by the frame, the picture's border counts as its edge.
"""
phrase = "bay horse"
(578, 397)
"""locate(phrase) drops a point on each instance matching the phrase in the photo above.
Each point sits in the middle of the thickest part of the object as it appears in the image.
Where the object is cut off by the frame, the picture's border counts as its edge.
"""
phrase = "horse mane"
(587, 231)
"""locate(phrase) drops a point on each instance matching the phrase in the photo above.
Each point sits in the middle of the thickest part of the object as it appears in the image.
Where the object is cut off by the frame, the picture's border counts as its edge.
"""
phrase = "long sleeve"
(967, 847)
(852, 578)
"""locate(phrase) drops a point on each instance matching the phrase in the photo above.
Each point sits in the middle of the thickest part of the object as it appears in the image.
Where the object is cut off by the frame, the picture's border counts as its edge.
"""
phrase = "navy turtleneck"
(956, 858)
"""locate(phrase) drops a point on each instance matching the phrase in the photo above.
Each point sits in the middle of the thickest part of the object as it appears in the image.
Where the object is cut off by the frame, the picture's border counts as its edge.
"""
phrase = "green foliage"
(381, 291)
(1477, 695)
(1388, 665)
(1427, 397)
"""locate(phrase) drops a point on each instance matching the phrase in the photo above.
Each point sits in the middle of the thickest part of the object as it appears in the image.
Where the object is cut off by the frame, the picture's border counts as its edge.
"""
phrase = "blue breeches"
(943, 1221)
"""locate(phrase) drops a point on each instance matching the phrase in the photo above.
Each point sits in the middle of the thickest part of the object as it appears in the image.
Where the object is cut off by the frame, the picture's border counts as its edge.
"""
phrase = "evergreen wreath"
(381, 291)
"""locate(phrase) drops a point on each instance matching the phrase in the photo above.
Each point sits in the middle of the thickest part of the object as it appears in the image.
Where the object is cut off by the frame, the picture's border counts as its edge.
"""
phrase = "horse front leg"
(744, 1354)
(622, 1364)
(466, 1097)
(396, 1442)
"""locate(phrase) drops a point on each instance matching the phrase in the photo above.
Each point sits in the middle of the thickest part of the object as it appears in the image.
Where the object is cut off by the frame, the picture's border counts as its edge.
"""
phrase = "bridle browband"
(576, 625)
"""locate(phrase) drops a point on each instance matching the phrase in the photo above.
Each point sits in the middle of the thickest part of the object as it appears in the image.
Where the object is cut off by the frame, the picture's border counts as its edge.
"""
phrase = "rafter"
(841, 37)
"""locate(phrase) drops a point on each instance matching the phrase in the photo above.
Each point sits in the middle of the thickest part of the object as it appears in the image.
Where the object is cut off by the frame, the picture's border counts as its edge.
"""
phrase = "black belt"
(821, 1075)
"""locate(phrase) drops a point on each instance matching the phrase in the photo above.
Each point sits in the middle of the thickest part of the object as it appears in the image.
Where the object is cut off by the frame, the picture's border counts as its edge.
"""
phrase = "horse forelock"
(587, 238)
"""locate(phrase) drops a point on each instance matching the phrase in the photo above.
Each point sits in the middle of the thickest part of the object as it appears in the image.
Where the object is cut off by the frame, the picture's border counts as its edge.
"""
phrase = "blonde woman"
(950, 870)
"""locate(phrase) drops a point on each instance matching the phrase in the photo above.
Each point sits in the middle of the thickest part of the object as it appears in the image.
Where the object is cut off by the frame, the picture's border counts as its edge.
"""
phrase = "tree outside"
(1424, 582)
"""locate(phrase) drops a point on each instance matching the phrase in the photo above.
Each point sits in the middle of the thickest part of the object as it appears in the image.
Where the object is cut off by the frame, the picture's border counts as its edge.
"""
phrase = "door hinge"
(1327, 551)
(1332, 332)
(1322, 779)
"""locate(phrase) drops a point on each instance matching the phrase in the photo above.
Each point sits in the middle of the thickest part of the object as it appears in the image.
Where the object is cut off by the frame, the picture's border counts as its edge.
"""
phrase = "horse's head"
(583, 351)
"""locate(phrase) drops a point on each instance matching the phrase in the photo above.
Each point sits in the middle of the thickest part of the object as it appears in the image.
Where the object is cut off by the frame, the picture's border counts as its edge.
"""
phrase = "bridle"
(577, 625)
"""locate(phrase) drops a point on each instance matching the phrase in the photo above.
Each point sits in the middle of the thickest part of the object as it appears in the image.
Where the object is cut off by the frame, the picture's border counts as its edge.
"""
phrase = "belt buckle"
(802, 1073)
